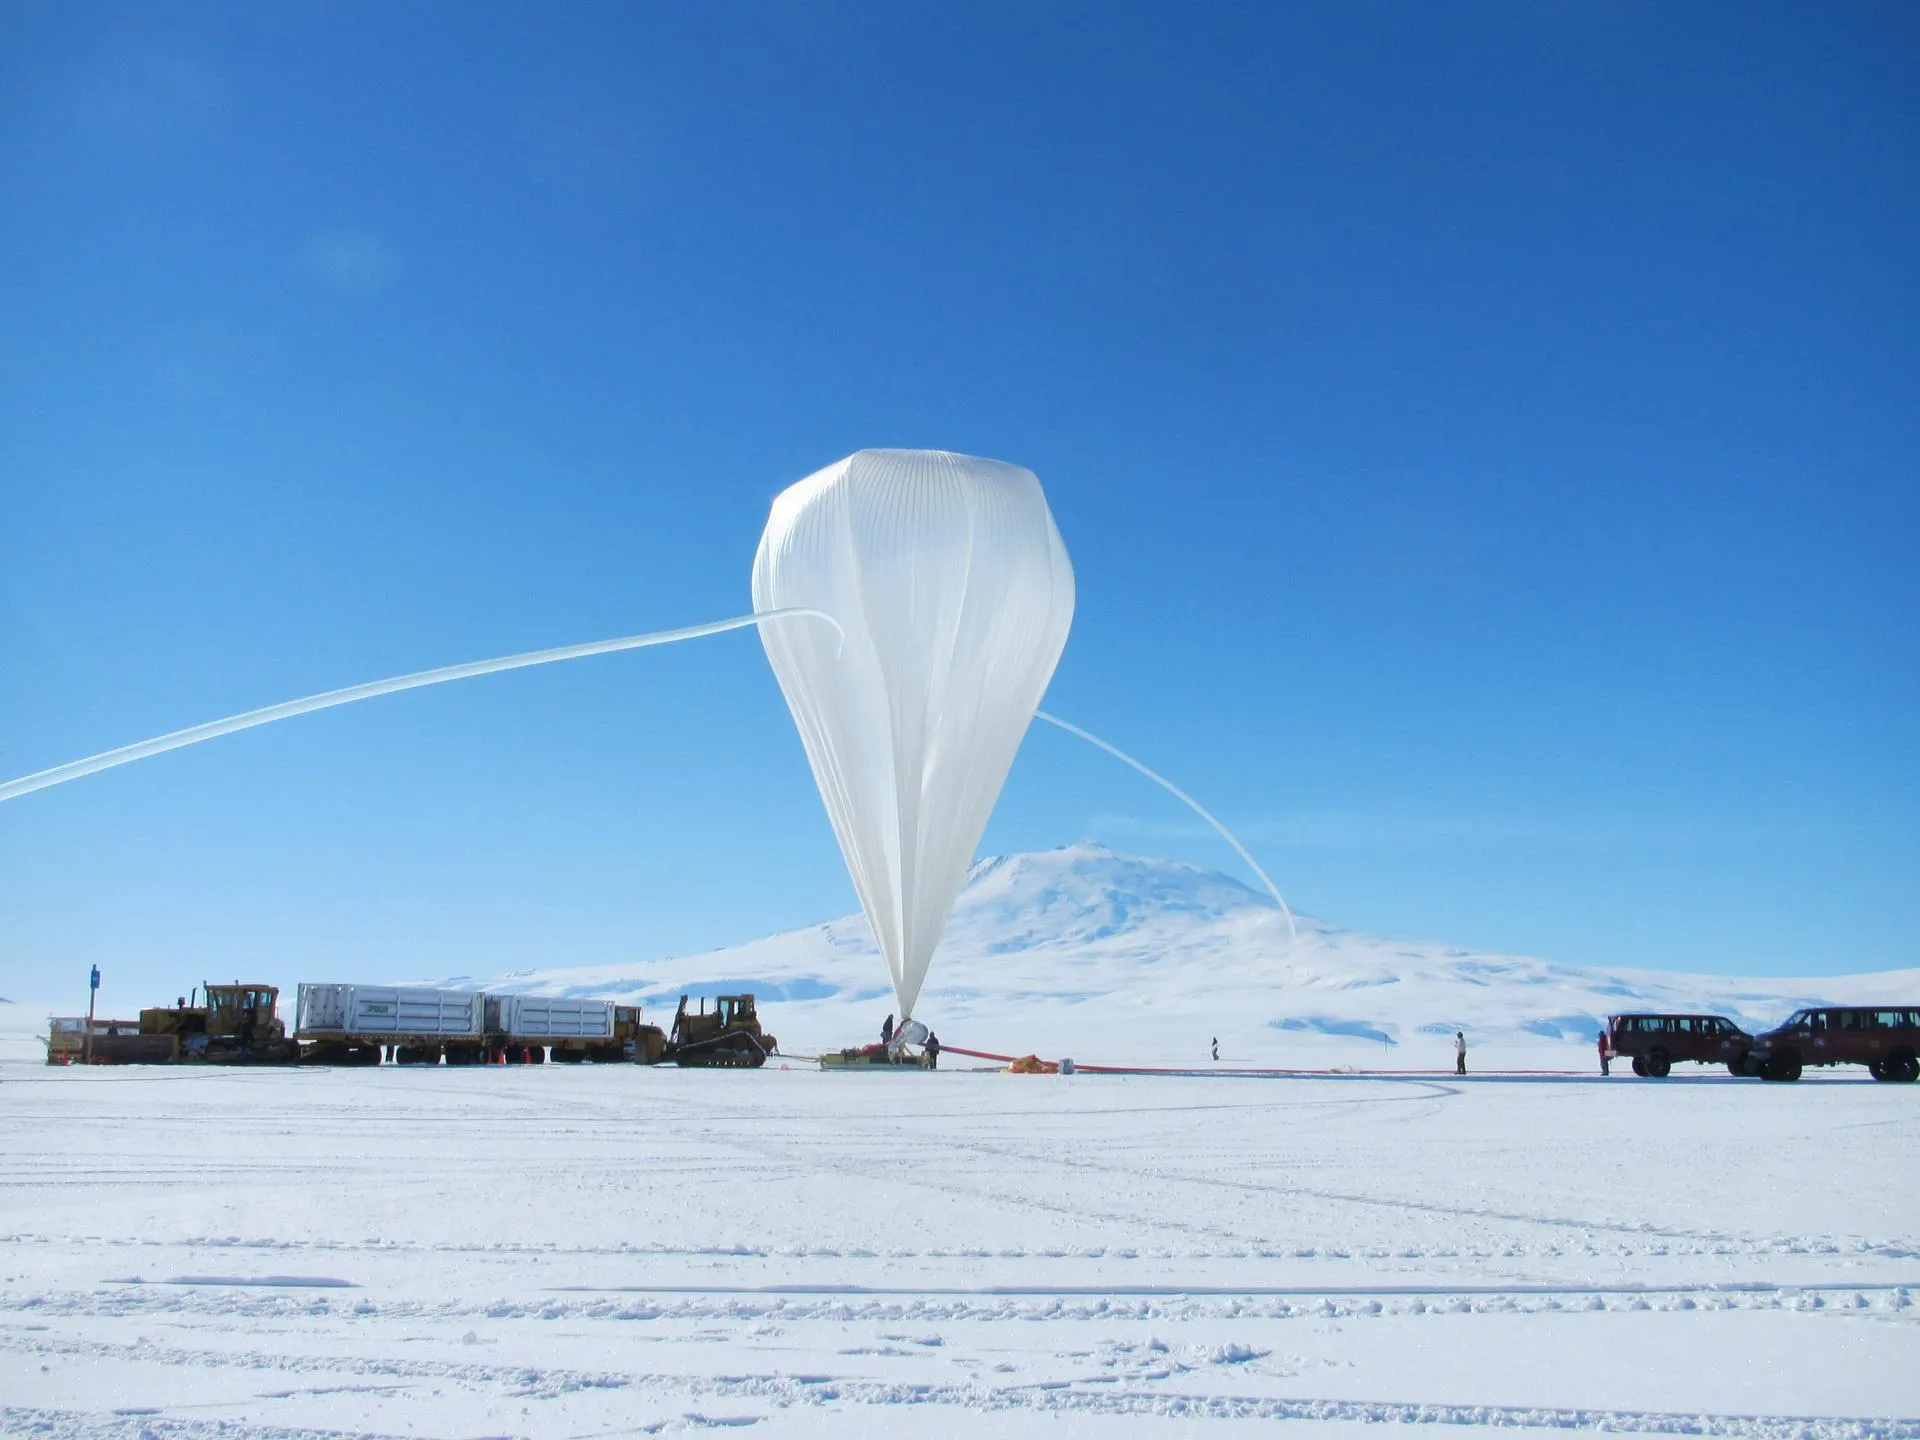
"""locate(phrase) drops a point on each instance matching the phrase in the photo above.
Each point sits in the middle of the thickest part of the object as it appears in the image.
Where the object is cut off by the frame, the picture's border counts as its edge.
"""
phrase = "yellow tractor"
(729, 1034)
(634, 1039)
(236, 1026)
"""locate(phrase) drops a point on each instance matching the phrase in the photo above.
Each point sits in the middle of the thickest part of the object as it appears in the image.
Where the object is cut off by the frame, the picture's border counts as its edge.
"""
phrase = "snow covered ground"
(562, 1251)
(597, 1251)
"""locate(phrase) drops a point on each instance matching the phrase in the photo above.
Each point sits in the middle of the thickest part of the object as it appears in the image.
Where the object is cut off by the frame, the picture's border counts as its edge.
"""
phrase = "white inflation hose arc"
(193, 735)
(213, 729)
(1191, 803)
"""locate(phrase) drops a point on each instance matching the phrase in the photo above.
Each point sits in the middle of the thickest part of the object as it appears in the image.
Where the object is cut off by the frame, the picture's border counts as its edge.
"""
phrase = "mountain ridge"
(1089, 948)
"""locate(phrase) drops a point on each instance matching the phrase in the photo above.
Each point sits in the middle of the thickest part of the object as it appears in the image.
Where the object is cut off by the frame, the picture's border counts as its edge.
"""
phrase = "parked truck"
(1884, 1038)
(1656, 1043)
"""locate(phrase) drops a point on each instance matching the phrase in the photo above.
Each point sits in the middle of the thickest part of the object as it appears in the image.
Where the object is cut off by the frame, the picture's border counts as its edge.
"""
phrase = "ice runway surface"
(560, 1251)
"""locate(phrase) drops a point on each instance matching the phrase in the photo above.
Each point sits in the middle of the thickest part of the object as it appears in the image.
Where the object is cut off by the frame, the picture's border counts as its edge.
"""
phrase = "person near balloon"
(905, 1034)
(933, 1051)
(1459, 1052)
(886, 1030)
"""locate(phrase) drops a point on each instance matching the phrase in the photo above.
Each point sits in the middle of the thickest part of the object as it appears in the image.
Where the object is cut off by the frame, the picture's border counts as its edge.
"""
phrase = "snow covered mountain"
(1122, 959)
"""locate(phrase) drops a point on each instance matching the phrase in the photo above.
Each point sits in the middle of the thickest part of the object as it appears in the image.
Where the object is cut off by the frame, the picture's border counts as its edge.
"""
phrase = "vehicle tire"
(1900, 1067)
(1785, 1068)
(1639, 1065)
(1873, 1069)
(1740, 1066)
(1659, 1063)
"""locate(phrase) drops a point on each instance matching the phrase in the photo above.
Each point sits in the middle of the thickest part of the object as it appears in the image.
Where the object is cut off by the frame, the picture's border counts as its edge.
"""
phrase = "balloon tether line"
(1190, 802)
(126, 754)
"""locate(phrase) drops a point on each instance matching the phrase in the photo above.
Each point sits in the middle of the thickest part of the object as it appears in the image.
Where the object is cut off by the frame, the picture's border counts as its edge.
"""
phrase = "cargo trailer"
(415, 1025)
(521, 1027)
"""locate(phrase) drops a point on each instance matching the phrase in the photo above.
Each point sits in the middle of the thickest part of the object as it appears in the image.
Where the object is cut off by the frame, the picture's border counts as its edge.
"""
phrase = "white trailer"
(573, 1029)
(350, 1024)
(545, 1017)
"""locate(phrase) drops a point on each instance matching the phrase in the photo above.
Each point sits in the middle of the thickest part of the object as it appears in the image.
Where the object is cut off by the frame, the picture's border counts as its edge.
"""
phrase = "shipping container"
(390, 1011)
(545, 1017)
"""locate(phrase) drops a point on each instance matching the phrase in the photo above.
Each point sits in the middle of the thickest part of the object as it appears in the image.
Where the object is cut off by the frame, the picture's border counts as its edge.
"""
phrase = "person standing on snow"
(886, 1031)
(1603, 1054)
(1459, 1052)
(1216, 1047)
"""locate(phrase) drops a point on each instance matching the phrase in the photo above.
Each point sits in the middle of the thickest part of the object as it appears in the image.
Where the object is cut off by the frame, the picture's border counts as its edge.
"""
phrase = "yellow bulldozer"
(729, 1034)
(236, 1026)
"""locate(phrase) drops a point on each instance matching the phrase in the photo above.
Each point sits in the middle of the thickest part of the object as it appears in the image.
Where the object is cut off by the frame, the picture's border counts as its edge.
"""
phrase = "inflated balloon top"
(954, 595)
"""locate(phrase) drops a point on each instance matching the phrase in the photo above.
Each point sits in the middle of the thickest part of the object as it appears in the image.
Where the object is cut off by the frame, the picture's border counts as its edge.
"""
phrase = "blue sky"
(1485, 434)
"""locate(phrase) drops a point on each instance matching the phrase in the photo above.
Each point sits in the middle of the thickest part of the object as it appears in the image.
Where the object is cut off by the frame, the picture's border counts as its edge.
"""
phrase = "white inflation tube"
(213, 729)
(126, 754)
(1191, 803)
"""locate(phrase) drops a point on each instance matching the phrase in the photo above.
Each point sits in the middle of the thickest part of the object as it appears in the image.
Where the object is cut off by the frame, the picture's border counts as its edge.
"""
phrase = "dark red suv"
(1884, 1038)
(1654, 1042)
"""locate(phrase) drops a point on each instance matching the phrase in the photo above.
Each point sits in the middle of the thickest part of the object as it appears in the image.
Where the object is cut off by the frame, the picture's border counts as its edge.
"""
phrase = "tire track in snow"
(1772, 1247)
(855, 1303)
(1282, 1188)
(982, 1149)
(1066, 1400)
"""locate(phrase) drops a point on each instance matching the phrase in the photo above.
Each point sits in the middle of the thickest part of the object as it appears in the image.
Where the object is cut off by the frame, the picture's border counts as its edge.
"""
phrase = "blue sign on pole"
(96, 978)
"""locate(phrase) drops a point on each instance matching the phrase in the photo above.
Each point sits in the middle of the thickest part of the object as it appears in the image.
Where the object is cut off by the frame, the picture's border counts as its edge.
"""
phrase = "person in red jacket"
(1604, 1057)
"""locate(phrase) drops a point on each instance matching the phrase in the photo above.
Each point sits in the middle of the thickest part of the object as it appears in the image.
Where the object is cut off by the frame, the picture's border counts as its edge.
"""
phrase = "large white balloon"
(954, 594)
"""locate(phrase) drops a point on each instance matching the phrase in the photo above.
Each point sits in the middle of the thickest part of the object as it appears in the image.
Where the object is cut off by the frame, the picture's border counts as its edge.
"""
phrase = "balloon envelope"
(954, 593)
